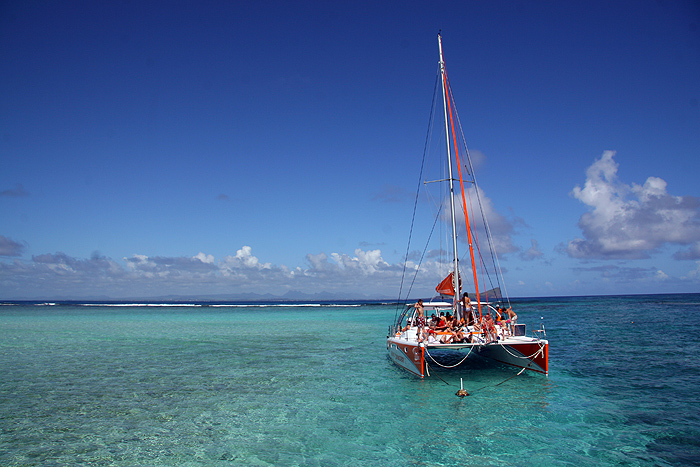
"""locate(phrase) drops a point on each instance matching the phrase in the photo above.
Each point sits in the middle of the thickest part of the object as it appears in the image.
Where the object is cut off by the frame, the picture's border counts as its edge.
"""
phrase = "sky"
(150, 149)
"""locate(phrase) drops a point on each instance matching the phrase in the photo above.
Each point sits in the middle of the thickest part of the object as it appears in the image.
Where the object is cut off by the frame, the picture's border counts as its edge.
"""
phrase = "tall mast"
(455, 254)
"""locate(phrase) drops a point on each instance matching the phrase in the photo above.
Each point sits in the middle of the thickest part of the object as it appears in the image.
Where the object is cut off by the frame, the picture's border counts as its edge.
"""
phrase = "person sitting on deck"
(455, 332)
(447, 338)
(433, 320)
(442, 323)
(462, 332)
(431, 337)
(456, 336)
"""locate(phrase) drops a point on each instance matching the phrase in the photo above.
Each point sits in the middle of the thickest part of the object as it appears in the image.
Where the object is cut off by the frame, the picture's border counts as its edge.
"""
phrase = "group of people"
(453, 330)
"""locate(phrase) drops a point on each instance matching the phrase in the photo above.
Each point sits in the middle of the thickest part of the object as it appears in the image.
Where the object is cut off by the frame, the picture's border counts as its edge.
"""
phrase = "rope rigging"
(415, 202)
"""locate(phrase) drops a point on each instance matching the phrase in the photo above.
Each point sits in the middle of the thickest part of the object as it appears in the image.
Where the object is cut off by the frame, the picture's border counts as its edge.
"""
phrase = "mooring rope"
(446, 366)
(483, 387)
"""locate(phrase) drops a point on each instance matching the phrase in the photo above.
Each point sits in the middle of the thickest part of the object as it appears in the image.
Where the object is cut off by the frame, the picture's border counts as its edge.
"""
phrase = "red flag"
(446, 287)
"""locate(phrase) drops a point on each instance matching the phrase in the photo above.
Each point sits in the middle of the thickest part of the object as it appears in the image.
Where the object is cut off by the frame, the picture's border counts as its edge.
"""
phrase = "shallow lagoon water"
(312, 386)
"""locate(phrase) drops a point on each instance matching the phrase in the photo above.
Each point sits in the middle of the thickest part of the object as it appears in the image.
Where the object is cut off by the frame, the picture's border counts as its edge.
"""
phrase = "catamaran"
(447, 329)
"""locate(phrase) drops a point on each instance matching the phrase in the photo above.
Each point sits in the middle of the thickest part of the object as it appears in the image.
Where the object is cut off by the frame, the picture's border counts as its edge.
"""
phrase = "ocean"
(311, 385)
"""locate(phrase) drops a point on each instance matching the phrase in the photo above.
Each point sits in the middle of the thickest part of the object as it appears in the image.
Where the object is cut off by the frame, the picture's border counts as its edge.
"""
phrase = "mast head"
(442, 62)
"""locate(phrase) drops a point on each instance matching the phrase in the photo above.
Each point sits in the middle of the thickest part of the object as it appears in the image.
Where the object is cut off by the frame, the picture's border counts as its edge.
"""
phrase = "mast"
(455, 254)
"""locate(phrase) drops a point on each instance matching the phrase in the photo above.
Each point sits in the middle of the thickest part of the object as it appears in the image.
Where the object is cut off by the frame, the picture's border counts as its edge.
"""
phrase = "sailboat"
(454, 325)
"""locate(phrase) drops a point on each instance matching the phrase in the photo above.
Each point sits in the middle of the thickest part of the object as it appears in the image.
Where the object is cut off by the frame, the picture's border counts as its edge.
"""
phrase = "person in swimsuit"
(489, 328)
(467, 309)
(512, 318)
(420, 319)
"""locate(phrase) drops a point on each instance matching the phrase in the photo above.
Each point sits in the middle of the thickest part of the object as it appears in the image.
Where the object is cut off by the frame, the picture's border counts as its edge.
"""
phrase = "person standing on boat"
(512, 318)
(467, 309)
(420, 319)
(489, 329)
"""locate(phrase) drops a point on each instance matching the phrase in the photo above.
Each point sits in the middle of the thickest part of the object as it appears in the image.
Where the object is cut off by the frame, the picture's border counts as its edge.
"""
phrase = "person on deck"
(446, 339)
(489, 328)
(433, 321)
(458, 331)
(442, 323)
(512, 318)
(467, 309)
(431, 337)
(420, 319)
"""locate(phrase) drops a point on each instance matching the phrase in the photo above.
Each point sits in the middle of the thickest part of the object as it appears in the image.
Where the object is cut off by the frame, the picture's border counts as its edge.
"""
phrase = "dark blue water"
(312, 386)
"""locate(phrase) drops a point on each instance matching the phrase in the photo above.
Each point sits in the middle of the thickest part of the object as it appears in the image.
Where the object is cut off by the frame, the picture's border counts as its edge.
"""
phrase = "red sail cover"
(446, 287)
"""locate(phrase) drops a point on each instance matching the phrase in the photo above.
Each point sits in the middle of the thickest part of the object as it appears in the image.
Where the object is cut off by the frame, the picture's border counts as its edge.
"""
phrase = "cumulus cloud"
(533, 252)
(632, 221)
(169, 266)
(244, 258)
(363, 273)
(9, 247)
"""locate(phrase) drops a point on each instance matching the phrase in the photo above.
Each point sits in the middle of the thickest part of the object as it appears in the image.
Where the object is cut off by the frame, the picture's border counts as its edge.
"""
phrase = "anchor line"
(446, 366)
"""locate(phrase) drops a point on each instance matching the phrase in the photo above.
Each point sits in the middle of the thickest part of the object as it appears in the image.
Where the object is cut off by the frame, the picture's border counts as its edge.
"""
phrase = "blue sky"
(157, 148)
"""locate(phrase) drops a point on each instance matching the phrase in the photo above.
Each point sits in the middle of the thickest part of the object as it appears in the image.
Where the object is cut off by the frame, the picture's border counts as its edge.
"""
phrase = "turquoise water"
(312, 386)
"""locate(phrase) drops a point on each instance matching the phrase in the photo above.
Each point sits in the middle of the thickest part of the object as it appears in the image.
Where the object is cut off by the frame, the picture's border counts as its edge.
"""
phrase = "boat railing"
(540, 333)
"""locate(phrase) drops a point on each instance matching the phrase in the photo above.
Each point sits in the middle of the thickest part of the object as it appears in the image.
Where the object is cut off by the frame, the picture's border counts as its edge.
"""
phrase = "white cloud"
(9, 247)
(632, 221)
(363, 274)
(245, 257)
(205, 258)
(533, 252)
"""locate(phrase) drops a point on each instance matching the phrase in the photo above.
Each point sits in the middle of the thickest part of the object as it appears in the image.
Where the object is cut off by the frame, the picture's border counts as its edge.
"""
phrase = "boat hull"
(532, 355)
(527, 353)
(409, 356)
